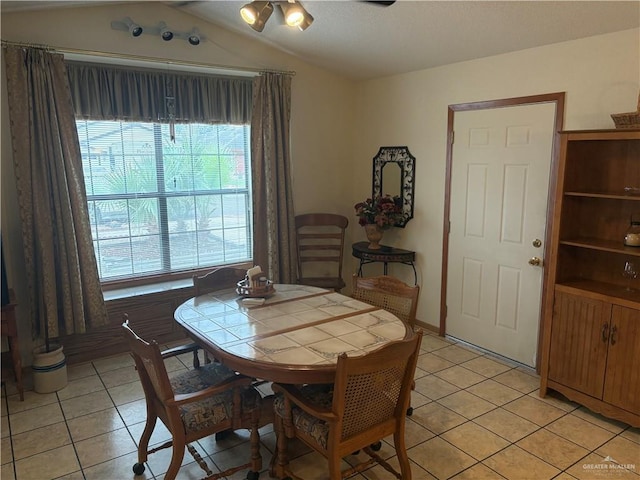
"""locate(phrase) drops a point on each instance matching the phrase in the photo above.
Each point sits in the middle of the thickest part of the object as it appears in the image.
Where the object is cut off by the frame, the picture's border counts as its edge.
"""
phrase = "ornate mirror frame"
(407, 163)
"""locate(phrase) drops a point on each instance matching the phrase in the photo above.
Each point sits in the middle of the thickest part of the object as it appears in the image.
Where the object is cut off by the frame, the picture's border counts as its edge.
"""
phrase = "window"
(158, 206)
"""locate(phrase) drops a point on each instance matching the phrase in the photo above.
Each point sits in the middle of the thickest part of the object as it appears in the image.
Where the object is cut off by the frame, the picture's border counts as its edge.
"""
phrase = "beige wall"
(338, 125)
(600, 75)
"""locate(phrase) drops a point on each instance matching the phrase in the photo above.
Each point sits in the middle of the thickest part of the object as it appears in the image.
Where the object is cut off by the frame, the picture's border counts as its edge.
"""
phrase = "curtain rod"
(142, 58)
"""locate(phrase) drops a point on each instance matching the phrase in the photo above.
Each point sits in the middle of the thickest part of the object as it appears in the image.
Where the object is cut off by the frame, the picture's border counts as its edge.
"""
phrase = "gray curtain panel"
(65, 295)
(273, 216)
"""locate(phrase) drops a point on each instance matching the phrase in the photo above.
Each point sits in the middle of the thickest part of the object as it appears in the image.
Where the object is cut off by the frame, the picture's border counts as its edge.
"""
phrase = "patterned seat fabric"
(320, 395)
(213, 410)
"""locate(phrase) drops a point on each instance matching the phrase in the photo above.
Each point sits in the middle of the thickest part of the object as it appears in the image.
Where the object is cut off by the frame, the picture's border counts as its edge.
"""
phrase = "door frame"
(559, 99)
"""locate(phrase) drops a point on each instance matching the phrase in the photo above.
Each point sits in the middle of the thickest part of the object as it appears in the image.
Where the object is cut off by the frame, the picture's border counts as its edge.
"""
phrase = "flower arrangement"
(384, 211)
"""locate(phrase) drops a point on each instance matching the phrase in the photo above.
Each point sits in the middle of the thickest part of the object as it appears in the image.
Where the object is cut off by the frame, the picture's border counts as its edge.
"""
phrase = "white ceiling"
(361, 40)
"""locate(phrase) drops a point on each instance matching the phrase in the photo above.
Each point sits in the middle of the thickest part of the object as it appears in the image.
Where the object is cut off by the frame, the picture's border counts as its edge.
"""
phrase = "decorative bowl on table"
(261, 290)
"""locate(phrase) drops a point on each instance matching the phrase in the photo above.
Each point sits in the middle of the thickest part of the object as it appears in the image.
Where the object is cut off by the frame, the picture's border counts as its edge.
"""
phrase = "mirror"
(391, 179)
(393, 174)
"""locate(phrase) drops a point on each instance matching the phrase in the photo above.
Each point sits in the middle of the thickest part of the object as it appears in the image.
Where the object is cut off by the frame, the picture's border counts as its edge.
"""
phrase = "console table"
(384, 255)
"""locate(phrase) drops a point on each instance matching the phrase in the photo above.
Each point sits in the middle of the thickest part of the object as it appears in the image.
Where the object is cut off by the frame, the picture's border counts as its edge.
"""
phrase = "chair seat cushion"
(217, 408)
(317, 395)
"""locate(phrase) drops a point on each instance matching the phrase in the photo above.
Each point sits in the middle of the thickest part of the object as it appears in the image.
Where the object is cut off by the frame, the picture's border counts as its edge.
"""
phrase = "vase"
(374, 235)
(49, 369)
(632, 237)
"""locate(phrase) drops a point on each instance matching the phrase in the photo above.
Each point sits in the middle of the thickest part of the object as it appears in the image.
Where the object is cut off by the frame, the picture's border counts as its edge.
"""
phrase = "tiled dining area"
(475, 417)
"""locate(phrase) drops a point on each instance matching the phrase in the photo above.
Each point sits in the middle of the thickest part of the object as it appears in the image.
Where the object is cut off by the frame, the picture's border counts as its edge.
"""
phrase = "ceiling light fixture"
(194, 37)
(165, 33)
(296, 16)
(127, 25)
(257, 13)
(134, 29)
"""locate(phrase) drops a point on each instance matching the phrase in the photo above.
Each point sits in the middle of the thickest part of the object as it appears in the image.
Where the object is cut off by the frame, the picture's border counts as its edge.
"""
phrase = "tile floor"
(475, 417)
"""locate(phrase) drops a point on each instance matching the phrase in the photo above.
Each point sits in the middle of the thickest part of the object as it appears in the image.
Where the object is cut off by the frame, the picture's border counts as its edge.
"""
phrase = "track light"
(127, 25)
(134, 29)
(257, 13)
(165, 33)
(296, 16)
(194, 37)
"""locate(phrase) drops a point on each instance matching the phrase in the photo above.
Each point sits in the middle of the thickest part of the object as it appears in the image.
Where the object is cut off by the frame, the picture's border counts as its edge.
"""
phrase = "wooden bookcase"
(591, 334)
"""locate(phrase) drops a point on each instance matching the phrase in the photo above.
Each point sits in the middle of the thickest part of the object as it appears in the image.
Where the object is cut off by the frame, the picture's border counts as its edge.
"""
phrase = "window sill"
(142, 290)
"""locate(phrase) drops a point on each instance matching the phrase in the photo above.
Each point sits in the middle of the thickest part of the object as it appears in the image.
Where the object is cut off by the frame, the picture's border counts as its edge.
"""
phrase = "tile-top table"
(294, 337)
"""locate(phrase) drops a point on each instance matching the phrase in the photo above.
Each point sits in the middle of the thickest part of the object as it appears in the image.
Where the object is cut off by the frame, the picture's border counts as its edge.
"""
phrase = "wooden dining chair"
(366, 403)
(320, 247)
(192, 405)
(218, 279)
(388, 293)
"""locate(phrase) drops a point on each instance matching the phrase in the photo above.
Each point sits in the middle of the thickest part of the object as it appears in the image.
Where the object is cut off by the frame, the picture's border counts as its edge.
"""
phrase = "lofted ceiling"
(362, 40)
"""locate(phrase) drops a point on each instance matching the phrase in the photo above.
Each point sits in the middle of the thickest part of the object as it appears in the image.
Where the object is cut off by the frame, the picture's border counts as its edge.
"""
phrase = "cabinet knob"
(535, 261)
(614, 335)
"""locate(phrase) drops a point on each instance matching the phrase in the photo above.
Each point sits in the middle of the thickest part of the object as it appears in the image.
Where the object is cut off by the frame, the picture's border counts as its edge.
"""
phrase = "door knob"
(535, 261)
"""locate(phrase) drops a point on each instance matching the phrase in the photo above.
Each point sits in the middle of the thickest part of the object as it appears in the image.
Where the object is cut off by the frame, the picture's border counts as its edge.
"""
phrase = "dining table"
(294, 335)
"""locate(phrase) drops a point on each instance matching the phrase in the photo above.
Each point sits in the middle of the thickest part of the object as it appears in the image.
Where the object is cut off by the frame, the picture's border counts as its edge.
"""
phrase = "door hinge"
(452, 137)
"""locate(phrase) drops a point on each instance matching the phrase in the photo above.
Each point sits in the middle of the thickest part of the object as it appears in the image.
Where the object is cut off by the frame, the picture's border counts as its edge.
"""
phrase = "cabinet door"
(622, 384)
(579, 341)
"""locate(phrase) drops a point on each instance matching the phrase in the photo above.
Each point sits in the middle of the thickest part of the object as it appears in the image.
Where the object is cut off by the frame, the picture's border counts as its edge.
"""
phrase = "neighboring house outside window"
(157, 206)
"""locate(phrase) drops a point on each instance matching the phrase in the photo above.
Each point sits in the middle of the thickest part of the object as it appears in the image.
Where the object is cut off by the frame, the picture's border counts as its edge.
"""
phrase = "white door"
(499, 185)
